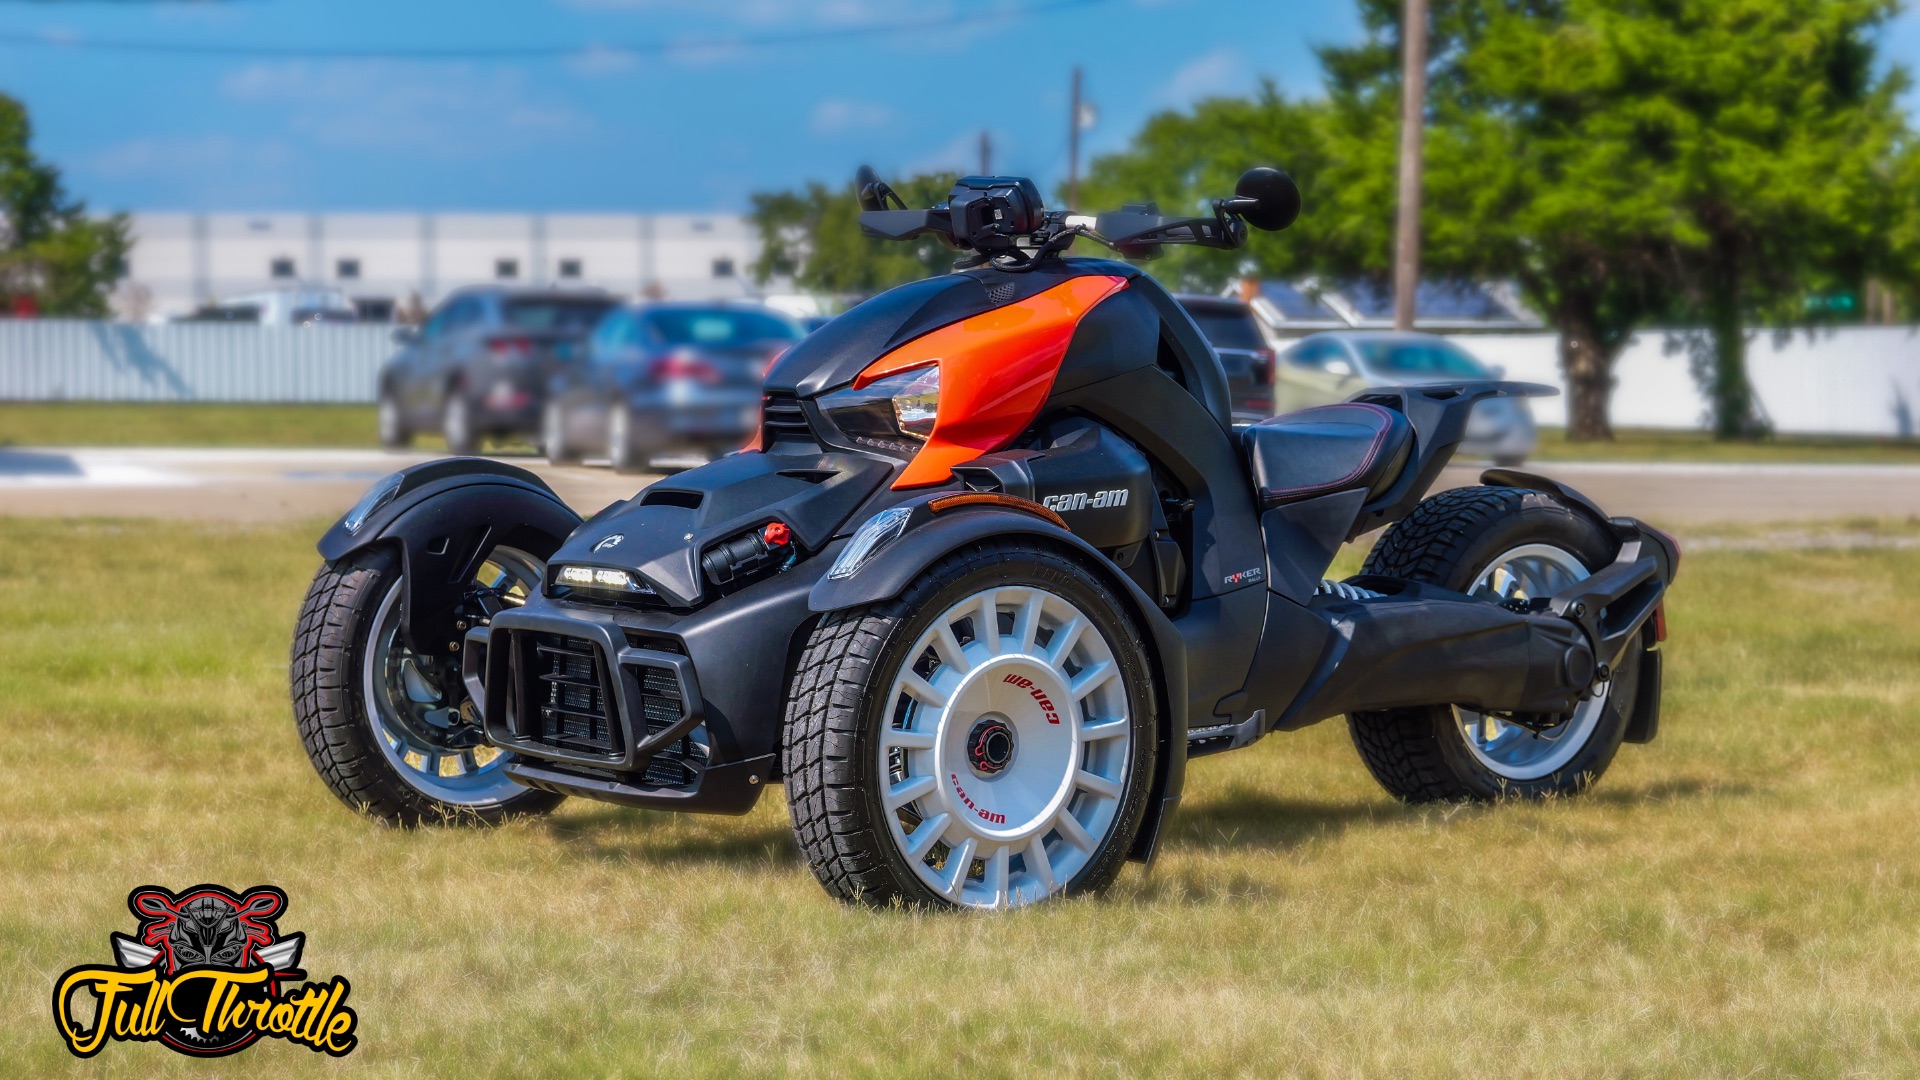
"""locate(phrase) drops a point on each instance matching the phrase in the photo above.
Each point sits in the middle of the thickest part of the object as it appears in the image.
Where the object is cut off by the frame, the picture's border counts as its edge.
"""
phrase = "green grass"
(1738, 899)
(1698, 446)
(174, 424)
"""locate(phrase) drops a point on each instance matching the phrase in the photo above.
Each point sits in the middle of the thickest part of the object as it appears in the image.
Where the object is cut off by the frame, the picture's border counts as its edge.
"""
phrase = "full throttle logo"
(207, 973)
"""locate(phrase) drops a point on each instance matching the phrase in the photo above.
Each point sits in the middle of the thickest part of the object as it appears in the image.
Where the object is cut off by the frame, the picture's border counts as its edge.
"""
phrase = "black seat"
(1330, 448)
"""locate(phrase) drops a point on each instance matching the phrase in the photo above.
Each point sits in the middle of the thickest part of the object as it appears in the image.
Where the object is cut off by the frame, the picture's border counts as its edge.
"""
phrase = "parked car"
(664, 377)
(1324, 368)
(279, 307)
(1234, 332)
(481, 364)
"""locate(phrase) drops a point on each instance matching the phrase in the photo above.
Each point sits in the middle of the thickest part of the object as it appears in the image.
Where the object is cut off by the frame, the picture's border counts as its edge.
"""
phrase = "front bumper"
(611, 704)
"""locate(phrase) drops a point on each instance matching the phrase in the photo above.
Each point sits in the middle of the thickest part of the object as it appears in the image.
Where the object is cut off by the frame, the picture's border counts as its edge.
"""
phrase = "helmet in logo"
(610, 542)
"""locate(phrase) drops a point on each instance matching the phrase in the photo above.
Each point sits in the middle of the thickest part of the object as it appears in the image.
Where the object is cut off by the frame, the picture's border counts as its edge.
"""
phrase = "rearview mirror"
(1266, 199)
(1340, 368)
(406, 335)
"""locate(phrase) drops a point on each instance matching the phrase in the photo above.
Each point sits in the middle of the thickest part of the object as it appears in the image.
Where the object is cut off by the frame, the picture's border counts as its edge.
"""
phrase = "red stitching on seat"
(1373, 450)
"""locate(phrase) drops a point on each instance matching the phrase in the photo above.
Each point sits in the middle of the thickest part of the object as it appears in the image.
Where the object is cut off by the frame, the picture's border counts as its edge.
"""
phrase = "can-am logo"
(207, 973)
(1086, 500)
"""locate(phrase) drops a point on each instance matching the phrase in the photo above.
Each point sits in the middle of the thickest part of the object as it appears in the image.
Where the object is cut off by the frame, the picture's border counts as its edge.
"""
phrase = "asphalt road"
(282, 485)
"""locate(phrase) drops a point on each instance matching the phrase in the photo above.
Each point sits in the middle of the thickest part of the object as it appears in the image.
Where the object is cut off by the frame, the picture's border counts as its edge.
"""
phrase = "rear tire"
(392, 421)
(625, 449)
(553, 436)
(335, 711)
(456, 423)
(1460, 540)
(919, 769)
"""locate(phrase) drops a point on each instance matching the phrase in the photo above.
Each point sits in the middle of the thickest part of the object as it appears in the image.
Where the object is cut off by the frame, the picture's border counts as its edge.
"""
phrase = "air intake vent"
(574, 700)
(782, 420)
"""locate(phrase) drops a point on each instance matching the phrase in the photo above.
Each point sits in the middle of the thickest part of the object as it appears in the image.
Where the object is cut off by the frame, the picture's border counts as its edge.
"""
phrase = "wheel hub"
(990, 746)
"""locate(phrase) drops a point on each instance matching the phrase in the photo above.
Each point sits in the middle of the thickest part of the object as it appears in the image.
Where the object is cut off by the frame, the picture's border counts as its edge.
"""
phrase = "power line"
(539, 52)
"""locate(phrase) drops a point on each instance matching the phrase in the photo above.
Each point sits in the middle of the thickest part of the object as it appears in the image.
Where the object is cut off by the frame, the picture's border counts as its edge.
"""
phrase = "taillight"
(677, 366)
(1263, 366)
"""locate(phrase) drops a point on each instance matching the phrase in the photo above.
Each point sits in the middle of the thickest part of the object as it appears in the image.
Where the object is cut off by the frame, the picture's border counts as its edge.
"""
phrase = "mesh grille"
(575, 710)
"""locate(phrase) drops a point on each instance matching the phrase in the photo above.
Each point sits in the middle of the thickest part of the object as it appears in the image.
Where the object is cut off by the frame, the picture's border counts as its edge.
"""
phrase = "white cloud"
(218, 169)
(599, 60)
(1222, 71)
(837, 116)
(452, 111)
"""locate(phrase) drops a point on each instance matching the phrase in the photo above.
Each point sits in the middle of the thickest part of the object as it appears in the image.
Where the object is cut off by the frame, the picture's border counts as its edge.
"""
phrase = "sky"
(631, 105)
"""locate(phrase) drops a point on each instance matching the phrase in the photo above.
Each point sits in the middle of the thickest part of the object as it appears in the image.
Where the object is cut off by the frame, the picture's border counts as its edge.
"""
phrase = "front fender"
(444, 517)
(930, 537)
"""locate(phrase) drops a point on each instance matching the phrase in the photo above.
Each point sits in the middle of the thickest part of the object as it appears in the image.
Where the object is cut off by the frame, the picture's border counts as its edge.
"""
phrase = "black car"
(1234, 332)
(665, 377)
(481, 364)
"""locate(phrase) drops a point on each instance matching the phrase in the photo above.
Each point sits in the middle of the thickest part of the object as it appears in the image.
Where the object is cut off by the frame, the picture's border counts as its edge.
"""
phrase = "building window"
(506, 269)
(281, 268)
(703, 226)
(723, 267)
(347, 269)
(569, 268)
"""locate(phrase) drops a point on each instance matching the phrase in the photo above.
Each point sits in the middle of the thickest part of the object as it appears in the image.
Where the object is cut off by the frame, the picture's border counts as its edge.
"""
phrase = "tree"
(1713, 160)
(813, 236)
(1184, 160)
(54, 259)
(1782, 143)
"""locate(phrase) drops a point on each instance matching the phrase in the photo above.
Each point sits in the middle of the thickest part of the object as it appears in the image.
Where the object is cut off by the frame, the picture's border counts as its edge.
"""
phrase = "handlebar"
(1002, 220)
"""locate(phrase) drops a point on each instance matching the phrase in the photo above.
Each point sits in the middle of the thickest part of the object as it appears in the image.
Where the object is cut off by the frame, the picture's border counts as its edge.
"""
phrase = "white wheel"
(986, 740)
(1008, 748)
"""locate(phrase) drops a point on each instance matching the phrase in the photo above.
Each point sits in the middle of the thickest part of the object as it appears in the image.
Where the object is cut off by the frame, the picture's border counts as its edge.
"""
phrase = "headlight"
(377, 496)
(879, 530)
(893, 414)
(596, 577)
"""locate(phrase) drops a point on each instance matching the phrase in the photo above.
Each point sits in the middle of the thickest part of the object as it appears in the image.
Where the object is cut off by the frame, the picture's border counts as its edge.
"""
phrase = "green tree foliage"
(813, 236)
(53, 257)
(1625, 161)
(1182, 160)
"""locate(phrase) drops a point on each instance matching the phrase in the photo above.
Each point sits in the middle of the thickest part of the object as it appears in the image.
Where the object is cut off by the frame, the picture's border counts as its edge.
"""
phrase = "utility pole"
(1073, 144)
(986, 154)
(1413, 109)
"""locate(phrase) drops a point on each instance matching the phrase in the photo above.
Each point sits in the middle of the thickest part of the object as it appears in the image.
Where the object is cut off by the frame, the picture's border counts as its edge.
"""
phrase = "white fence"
(1861, 380)
(1857, 381)
(83, 360)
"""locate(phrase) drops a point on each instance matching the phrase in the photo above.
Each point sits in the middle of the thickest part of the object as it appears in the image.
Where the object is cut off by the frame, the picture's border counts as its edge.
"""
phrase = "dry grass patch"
(1738, 899)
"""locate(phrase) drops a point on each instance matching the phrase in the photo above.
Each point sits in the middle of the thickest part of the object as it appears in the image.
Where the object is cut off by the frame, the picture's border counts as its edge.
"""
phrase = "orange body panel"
(996, 370)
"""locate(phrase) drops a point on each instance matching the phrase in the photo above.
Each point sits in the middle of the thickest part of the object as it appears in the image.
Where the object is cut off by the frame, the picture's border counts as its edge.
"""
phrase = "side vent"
(783, 420)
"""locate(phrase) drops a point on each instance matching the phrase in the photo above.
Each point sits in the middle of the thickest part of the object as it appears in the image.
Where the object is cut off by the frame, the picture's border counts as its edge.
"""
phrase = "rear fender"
(444, 517)
(930, 537)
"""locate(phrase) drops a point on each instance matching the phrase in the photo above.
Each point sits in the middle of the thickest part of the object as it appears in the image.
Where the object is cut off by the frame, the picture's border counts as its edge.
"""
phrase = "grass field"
(1740, 899)
(170, 424)
(1699, 446)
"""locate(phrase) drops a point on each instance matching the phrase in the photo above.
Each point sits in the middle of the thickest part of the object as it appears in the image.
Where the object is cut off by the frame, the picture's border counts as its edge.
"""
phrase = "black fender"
(1625, 529)
(931, 536)
(444, 517)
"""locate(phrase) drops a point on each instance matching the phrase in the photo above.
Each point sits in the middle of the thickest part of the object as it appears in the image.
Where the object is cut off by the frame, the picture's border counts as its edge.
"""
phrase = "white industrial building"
(181, 262)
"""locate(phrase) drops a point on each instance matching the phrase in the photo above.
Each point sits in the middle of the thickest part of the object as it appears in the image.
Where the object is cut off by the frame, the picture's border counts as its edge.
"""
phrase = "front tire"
(1498, 544)
(939, 756)
(389, 732)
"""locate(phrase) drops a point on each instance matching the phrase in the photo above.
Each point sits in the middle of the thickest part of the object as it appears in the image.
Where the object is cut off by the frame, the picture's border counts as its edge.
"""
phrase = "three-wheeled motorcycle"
(997, 566)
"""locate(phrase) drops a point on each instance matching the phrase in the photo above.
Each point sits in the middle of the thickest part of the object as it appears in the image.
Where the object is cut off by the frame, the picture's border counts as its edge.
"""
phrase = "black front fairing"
(664, 530)
(833, 355)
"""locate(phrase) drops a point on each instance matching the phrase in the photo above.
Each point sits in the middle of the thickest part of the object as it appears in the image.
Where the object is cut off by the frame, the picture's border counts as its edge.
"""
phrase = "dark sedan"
(663, 378)
(481, 364)
(1233, 331)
